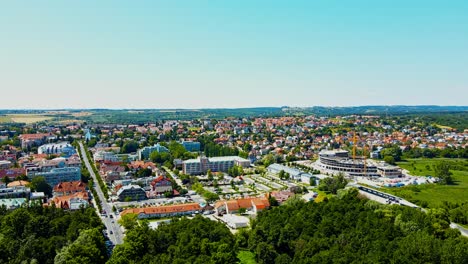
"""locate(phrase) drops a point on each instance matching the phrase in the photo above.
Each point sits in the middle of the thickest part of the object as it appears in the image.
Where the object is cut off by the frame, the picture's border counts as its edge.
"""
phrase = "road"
(176, 179)
(382, 197)
(111, 223)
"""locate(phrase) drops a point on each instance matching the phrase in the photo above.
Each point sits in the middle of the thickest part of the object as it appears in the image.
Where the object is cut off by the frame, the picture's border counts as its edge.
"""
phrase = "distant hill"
(126, 116)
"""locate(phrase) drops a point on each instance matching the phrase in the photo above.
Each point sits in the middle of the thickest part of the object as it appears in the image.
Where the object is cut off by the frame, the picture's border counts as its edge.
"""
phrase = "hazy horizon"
(214, 108)
(241, 54)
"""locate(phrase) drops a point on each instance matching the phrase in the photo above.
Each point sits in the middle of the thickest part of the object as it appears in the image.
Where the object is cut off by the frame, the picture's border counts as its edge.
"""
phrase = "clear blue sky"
(242, 53)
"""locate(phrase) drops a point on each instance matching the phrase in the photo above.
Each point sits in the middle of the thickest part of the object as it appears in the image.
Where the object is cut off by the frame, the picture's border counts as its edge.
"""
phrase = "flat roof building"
(145, 152)
(55, 176)
(215, 164)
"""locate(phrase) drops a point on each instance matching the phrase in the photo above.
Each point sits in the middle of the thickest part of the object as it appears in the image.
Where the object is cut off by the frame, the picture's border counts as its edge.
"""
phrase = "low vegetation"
(452, 197)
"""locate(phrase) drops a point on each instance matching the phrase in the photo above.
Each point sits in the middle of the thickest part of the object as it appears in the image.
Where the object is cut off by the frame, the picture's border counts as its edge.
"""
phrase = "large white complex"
(203, 164)
(293, 172)
(57, 148)
(337, 161)
(105, 156)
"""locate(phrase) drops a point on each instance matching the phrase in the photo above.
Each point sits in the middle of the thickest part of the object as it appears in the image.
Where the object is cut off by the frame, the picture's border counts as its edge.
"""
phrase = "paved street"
(111, 223)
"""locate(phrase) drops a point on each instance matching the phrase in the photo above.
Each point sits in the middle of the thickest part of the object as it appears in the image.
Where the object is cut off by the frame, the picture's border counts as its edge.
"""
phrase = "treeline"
(35, 234)
(96, 172)
(396, 154)
(211, 149)
(344, 229)
(450, 152)
(176, 151)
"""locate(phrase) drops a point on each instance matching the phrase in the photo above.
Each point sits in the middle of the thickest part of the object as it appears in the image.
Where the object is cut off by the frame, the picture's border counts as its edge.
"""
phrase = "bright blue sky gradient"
(194, 54)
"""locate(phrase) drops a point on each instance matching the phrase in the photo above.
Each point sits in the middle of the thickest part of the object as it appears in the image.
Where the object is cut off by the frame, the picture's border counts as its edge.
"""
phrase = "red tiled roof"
(74, 186)
(64, 201)
(167, 209)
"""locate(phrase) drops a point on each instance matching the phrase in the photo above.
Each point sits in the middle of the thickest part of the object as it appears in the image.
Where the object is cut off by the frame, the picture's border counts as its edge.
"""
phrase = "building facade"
(55, 176)
(192, 146)
(216, 164)
(57, 148)
(145, 152)
(161, 185)
(131, 193)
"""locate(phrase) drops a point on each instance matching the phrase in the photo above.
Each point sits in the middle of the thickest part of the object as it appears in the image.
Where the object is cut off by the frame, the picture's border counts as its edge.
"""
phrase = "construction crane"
(354, 145)
(365, 159)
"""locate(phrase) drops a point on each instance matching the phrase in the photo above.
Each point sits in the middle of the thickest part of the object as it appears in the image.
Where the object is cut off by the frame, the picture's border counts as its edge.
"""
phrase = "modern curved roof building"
(338, 161)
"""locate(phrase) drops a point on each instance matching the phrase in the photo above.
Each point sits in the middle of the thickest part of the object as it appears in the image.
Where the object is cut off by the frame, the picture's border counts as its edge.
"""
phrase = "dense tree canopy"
(39, 184)
(333, 184)
(35, 234)
(183, 241)
(129, 147)
(354, 230)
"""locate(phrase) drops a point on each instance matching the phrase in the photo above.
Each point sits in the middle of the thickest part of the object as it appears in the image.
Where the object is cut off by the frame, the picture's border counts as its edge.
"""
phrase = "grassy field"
(246, 257)
(27, 118)
(5, 119)
(434, 194)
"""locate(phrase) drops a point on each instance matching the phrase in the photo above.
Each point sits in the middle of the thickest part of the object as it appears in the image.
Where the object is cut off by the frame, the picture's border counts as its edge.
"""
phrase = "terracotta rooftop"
(163, 209)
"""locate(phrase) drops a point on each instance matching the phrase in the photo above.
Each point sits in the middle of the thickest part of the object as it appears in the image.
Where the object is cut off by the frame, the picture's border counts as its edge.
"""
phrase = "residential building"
(12, 203)
(12, 173)
(73, 201)
(29, 140)
(5, 164)
(222, 164)
(192, 146)
(17, 191)
(253, 204)
(105, 156)
(281, 196)
(131, 193)
(293, 172)
(145, 152)
(55, 176)
(67, 188)
(45, 165)
(236, 221)
(164, 211)
(161, 185)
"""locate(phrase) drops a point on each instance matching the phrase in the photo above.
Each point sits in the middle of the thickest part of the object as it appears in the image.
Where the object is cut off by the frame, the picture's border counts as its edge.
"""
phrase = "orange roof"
(244, 203)
(236, 204)
(166, 209)
(17, 183)
(34, 136)
(74, 186)
(64, 201)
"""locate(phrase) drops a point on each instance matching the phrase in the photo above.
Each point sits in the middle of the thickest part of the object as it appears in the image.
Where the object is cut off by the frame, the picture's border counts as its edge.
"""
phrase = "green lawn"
(246, 257)
(434, 194)
(5, 119)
